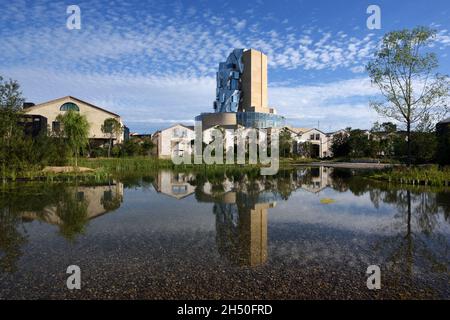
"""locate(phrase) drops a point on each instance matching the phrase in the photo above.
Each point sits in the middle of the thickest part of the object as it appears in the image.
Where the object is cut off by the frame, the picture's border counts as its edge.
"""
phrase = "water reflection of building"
(241, 223)
(98, 200)
(174, 184)
(241, 208)
(314, 179)
(241, 232)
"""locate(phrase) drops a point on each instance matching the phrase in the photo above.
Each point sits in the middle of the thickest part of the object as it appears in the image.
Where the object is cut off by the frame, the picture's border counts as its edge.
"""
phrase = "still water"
(305, 233)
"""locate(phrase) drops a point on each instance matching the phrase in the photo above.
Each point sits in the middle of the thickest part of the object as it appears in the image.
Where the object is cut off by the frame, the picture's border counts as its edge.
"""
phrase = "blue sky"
(154, 62)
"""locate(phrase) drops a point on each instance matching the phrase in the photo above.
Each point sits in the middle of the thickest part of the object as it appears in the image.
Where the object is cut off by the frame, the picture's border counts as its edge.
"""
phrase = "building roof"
(336, 132)
(311, 129)
(72, 98)
(298, 130)
(301, 131)
(135, 134)
(174, 125)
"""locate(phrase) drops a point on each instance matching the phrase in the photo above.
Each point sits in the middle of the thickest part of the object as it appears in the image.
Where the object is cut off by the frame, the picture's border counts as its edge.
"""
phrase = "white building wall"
(316, 137)
(175, 139)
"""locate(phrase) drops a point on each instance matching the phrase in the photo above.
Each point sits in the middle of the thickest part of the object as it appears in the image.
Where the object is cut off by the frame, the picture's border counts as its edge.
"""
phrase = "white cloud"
(239, 25)
(336, 104)
(148, 103)
(160, 44)
(152, 66)
(357, 69)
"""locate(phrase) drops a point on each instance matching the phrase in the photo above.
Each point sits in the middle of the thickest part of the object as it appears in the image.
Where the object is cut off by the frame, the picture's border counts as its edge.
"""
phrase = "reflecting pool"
(305, 233)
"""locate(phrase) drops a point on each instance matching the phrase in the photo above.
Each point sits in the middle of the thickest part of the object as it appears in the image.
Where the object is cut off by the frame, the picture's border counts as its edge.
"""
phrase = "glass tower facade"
(228, 92)
(241, 93)
(260, 120)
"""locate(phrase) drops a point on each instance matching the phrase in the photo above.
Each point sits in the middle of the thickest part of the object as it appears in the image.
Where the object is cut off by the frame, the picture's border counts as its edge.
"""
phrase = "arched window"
(69, 106)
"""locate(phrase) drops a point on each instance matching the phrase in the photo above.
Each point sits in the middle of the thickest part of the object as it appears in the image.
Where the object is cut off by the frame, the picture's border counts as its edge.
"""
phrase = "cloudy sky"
(154, 62)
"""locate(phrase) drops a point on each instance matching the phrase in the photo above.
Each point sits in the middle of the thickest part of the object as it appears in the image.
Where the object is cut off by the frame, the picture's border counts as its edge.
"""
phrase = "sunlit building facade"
(241, 94)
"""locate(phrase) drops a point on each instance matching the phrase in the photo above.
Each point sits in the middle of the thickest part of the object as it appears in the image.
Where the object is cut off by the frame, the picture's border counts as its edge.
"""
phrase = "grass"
(135, 166)
(365, 160)
(286, 162)
(107, 168)
(36, 174)
(430, 175)
(117, 165)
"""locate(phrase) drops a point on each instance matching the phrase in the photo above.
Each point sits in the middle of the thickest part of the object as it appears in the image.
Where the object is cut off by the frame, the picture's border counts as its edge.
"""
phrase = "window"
(179, 189)
(79, 196)
(69, 106)
(179, 133)
(317, 136)
(311, 137)
(56, 126)
(107, 195)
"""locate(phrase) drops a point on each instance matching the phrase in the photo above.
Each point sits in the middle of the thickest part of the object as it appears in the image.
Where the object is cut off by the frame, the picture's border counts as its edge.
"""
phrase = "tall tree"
(285, 142)
(340, 145)
(11, 102)
(404, 71)
(75, 130)
(113, 129)
(383, 138)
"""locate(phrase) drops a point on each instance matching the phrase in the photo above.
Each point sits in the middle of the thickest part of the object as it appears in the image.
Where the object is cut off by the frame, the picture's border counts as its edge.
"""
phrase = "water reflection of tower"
(241, 228)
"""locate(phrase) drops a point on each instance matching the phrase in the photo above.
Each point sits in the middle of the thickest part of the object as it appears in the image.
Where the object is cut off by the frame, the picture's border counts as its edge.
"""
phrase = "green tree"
(390, 131)
(360, 144)
(340, 145)
(147, 146)
(11, 136)
(388, 127)
(403, 70)
(424, 146)
(113, 129)
(443, 149)
(285, 142)
(305, 149)
(11, 102)
(75, 130)
(131, 148)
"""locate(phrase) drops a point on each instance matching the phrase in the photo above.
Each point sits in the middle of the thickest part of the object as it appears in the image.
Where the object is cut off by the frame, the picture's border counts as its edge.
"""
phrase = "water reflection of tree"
(137, 180)
(443, 200)
(418, 211)
(37, 201)
(284, 186)
(111, 200)
(417, 214)
(11, 239)
(339, 179)
(72, 210)
(13, 202)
